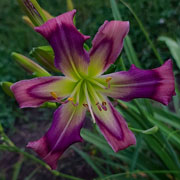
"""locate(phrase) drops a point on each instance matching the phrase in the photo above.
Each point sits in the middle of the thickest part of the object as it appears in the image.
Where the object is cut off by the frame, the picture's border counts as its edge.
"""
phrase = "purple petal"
(157, 84)
(114, 128)
(64, 131)
(34, 92)
(107, 45)
(67, 43)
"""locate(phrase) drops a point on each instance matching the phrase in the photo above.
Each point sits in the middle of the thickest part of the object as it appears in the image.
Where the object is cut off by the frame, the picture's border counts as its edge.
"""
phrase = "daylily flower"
(84, 87)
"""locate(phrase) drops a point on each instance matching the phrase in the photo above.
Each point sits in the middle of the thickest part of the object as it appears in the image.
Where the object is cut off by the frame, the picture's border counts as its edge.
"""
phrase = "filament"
(88, 101)
(97, 83)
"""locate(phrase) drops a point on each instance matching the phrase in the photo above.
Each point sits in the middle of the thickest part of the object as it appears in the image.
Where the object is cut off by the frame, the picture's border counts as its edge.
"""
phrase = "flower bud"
(6, 88)
(29, 65)
(33, 11)
(45, 56)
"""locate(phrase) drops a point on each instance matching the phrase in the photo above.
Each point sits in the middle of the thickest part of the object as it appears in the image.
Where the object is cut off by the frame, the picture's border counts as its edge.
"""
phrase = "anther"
(104, 106)
(99, 106)
(86, 106)
(70, 99)
(54, 95)
(108, 79)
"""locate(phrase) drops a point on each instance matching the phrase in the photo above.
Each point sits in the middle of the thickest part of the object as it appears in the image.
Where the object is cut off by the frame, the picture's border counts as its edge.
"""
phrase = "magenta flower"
(84, 87)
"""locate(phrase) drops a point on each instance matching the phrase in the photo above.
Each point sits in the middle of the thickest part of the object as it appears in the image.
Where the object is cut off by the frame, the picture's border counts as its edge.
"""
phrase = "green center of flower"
(87, 93)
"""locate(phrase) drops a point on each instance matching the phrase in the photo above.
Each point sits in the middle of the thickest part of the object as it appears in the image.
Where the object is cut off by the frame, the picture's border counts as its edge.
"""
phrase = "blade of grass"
(136, 152)
(87, 158)
(17, 168)
(144, 32)
(130, 52)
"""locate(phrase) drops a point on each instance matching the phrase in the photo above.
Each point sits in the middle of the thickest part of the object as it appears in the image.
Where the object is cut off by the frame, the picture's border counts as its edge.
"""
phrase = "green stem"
(38, 161)
(4, 137)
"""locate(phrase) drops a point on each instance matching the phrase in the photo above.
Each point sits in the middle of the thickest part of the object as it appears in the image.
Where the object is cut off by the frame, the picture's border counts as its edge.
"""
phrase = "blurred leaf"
(167, 117)
(166, 129)
(148, 131)
(174, 48)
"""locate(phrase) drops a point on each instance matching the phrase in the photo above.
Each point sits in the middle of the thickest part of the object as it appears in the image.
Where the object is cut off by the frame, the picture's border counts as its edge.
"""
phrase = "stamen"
(104, 103)
(86, 106)
(108, 79)
(71, 99)
(75, 91)
(97, 99)
(104, 106)
(88, 101)
(99, 106)
(54, 95)
(94, 93)
(97, 83)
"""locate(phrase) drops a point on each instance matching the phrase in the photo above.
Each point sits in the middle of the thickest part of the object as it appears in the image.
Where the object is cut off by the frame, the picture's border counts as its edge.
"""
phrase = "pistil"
(88, 102)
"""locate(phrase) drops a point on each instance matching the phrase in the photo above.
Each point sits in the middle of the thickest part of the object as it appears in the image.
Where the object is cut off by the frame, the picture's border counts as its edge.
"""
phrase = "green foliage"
(174, 48)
